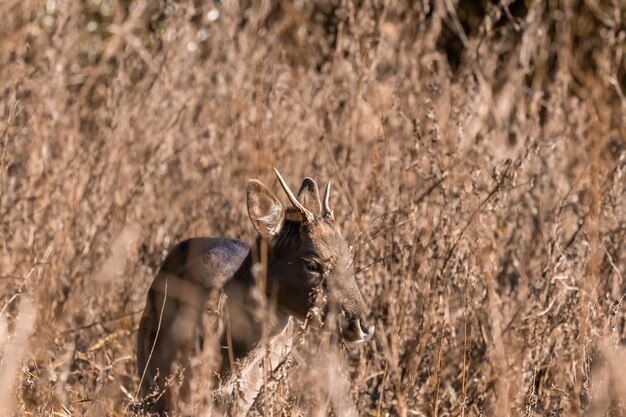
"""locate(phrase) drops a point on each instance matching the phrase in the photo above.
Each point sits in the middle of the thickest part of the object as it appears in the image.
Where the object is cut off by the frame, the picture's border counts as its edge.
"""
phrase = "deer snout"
(355, 329)
(366, 332)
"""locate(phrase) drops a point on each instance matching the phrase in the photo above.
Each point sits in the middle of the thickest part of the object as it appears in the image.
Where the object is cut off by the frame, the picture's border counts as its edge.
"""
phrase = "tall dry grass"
(478, 152)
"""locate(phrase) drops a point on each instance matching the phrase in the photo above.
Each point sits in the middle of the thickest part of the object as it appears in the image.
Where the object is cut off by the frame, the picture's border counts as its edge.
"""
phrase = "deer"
(304, 255)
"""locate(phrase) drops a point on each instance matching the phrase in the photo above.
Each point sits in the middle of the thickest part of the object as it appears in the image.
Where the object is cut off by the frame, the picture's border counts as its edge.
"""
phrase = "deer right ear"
(265, 210)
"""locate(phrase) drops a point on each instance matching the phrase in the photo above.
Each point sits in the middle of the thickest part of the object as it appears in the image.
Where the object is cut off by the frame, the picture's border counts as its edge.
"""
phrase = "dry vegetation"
(478, 154)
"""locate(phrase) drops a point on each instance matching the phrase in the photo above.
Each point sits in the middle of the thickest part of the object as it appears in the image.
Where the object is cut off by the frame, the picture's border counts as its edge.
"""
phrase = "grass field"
(477, 153)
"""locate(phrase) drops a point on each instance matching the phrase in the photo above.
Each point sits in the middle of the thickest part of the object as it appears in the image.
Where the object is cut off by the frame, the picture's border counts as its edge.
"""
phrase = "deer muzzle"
(355, 330)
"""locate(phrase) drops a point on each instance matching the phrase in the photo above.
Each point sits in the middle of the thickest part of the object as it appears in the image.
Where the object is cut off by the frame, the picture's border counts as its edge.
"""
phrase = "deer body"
(194, 270)
(305, 254)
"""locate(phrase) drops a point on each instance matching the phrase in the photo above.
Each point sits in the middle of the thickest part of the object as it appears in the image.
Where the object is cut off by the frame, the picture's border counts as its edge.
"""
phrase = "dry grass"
(478, 157)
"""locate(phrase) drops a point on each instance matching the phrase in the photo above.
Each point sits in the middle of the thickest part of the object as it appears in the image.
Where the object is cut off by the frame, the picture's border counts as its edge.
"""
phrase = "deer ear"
(264, 209)
(309, 196)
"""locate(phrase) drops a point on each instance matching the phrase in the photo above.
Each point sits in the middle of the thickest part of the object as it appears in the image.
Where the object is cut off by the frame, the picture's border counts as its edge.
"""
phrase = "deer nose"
(366, 331)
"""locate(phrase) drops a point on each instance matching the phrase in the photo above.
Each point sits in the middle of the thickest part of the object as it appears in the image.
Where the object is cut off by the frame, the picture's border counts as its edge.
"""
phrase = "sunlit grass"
(477, 159)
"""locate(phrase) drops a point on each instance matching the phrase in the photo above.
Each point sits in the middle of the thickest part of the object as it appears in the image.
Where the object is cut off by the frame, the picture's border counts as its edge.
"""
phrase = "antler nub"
(327, 212)
(307, 215)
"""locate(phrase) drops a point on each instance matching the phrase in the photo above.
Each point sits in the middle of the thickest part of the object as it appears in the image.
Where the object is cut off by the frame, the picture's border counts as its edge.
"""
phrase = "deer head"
(306, 255)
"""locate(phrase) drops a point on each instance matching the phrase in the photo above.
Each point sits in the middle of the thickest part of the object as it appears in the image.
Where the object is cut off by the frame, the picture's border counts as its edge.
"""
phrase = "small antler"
(306, 214)
(327, 212)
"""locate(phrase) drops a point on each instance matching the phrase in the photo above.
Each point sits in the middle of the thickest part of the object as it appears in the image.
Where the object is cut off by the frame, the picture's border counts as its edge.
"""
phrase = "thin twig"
(156, 337)
(465, 365)
(438, 371)
(106, 320)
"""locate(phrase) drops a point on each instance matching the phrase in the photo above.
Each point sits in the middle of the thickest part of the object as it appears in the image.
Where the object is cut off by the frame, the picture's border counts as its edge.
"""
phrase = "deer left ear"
(265, 210)
(309, 196)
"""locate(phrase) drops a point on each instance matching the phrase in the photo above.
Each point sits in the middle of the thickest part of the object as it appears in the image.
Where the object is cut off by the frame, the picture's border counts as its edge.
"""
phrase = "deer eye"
(312, 266)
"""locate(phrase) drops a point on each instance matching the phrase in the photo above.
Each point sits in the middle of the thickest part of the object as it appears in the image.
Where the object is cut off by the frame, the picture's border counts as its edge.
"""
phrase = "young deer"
(305, 255)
